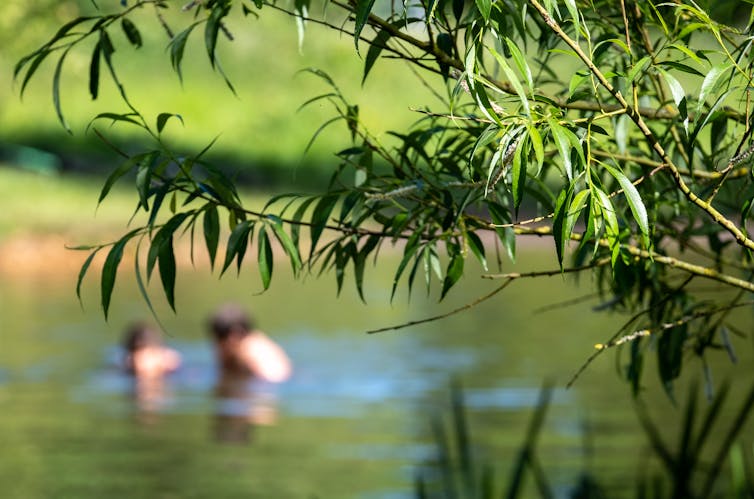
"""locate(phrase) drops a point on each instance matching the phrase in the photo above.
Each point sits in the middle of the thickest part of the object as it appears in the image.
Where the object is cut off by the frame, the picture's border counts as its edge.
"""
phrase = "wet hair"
(139, 335)
(230, 318)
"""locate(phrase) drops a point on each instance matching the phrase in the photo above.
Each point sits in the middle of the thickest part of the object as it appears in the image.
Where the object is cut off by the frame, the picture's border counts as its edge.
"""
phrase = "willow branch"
(653, 142)
(447, 314)
(668, 261)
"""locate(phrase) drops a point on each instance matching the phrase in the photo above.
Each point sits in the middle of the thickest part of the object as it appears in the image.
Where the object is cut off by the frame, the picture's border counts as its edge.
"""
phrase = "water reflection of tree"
(241, 403)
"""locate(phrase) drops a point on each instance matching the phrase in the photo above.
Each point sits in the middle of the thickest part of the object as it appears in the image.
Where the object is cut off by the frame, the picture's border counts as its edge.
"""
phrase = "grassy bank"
(259, 129)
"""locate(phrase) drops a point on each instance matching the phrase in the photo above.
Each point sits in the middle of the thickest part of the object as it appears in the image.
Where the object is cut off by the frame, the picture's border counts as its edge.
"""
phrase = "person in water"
(243, 349)
(146, 356)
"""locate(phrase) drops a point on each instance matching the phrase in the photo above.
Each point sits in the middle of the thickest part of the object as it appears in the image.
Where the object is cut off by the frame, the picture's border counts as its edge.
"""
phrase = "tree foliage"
(619, 130)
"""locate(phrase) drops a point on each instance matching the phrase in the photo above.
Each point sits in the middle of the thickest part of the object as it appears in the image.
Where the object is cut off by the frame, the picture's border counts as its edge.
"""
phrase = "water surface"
(354, 421)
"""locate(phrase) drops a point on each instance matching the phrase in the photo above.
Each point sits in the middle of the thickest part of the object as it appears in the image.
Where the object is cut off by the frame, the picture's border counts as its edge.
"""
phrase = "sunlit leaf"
(563, 145)
(634, 201)
(518, 180)
(485, 8)
(710, 82)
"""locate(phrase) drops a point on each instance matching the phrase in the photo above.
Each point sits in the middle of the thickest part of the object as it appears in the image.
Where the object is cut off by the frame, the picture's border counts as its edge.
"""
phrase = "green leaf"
(177, 46)
(485, 8)
(518, 180)
(319, 219)
(607, 211)
(563, 145)
(412, 244)
(454, 272)
(264, 258)
(513, 80)
(140, 282)
(363, 9)
(710, 83)
(56, 91)
(559, 224)
(162, 235)
(237, 242)
(375, 48)
(285, 240)
(166, 260)
(84, 269)
(211, 232)
(144, 178)
(520, 60)
(536, 142)
(638, 68)
(676, 89)
(477, 247)
(109, 272)
(212, 29)
(163, 118)
(574, 210)
(126, 118)
(132, 33)
(94, 73)
(670, 356)
(634, 201)
(38, 58)
(124, 168)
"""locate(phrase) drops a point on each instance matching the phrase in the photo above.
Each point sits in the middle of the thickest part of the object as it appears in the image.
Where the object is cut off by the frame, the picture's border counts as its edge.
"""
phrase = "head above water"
(140, 335)
(230, 319)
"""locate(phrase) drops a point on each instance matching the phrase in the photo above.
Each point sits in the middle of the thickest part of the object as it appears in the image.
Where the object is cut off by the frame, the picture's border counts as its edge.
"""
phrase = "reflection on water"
(241, 403)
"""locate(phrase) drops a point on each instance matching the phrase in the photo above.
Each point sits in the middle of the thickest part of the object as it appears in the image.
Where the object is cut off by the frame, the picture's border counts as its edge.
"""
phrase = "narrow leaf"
(454, 272)
(56, 91)
(375, 48)
(109, 272)
(709, 84)
(163, 118)
(84, 269)
(264, 258)
(363, 9)
(132, 33)
(211, 232)
(634, 201)
(166, 259)
(94, 73)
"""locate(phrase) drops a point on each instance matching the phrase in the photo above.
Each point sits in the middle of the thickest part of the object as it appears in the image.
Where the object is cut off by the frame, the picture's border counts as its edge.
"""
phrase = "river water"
(355, 419)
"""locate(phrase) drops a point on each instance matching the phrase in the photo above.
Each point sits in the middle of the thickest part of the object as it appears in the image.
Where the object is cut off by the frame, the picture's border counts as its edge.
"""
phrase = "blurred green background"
(262, 134)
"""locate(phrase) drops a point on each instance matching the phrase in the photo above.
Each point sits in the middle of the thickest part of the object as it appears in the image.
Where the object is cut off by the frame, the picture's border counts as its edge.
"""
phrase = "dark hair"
(229, 318)
(138, 335)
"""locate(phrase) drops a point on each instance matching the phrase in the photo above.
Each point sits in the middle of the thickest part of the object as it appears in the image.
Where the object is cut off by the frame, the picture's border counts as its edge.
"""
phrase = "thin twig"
(447, 314)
